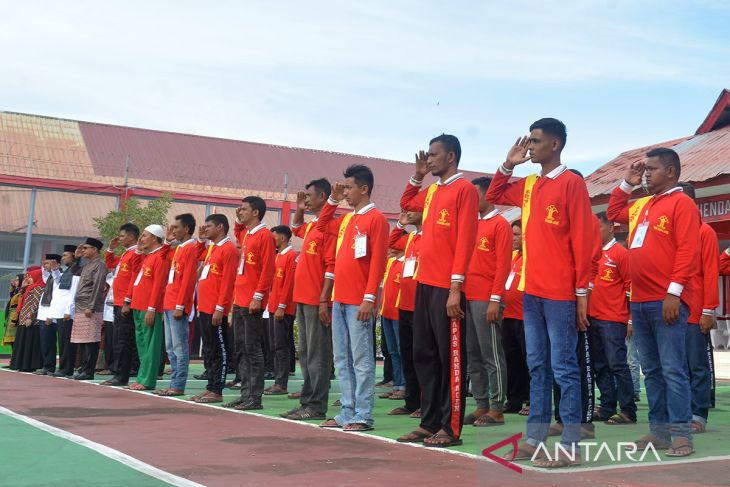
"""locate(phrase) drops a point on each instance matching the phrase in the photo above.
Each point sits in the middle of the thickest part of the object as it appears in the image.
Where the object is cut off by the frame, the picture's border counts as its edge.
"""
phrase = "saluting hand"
(635, 173)
(202, 232)
(114, 243)
(421, 164)
(338, 191)
(302, 200)
(518, 153)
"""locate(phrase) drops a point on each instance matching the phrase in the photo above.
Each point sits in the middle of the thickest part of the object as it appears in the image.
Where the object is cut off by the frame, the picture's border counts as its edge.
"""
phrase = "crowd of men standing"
(528, 312)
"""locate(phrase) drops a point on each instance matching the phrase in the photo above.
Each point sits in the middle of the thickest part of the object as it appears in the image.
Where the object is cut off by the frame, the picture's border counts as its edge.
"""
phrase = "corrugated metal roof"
(51, 148)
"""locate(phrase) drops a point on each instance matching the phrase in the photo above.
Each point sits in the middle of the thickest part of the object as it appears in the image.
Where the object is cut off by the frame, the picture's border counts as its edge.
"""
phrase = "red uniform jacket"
(126, 267)
(256, 267)
(706, 296)
(285, 266)
(147, 291)
(391, 285)
(179, 292)
(218, 277)
(609, 300)
(513, 296)
(490, 262)
(400, 240)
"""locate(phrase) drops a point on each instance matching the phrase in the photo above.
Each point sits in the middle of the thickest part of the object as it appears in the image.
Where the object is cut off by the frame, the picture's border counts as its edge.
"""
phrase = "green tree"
(133, 212)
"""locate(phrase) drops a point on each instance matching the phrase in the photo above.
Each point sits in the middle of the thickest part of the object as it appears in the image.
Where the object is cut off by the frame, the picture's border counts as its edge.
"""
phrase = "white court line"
(115, 455)
(522, 465)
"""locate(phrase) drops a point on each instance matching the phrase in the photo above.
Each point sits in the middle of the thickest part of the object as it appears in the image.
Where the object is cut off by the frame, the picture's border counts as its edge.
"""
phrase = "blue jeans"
(698, 365)
(612, 369)
(176, 344)
(551, 340)
(663, 353)
(632, 357)
(352, 343)
(392, 338)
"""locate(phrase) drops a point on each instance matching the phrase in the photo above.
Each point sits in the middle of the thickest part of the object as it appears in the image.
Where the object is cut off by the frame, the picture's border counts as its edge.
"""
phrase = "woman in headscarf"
(27, 350)
(11, 310)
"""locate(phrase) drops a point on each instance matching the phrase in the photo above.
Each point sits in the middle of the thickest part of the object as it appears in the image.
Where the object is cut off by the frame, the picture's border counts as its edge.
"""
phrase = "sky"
(376, 78)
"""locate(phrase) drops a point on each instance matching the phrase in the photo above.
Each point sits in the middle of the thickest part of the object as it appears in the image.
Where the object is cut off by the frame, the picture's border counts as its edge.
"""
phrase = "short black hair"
(552, 126)
(668, 157)
(517, 223)
(257, 203)
(321, 185)
(362, 176)
(603, 218)
(131, 229)
(577, 173)
(188, 221)
(219, 219)
(450, 143)
(282, 230)
(688, 189)
(482, 182)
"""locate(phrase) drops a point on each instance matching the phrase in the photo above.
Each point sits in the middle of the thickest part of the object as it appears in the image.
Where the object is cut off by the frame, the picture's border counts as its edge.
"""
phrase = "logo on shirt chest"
(279, 272)
(147, 271)
(214, 269)
(661, 224)
(250, 258)
(312, 248)
(483, 244)
(552, 215)
(124, 267)
(176, 266)
(607, 275)
(397, 278)
(444, 218)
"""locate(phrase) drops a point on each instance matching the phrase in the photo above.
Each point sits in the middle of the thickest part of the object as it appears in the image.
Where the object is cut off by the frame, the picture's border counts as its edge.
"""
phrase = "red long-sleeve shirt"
(706, 296)
(256, 268)
(179, 291)
(315, 261)
(490, 262)
(391, 285)
(448, 230)
(358, 280)
(409, 243)
(669, 257)
(126, 267)
(147, 291)
(513, 296)
(282, 289)
(558, 236)
(725, 263)
(612, 283)
(218, 277)
(597, 250)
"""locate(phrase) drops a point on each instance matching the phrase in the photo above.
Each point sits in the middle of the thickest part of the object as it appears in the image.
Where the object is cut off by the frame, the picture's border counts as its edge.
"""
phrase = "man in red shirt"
(449, 209)
(253, 284)
(178, 301)
(609, 314)
(557, 251)
(484, 289)
(663, 260)
(282, 308)
(145, 298)
(389, 321)
(408, 243)
(513, 333)
(701, 320)
(360, 255)
(126, 267)
(215, 295)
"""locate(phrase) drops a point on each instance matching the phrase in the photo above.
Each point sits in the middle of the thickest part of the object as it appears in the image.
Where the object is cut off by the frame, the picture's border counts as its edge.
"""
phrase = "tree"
(133, 212)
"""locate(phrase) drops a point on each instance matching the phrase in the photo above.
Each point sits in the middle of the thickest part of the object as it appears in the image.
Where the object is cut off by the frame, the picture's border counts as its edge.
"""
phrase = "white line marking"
(115, 455)
(416, 445)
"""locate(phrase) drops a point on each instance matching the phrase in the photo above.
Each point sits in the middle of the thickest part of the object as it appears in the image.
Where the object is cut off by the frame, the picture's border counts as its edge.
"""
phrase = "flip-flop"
(680, 448)
(619, 419)
(171, 393)
(442, 436)
(486, 421)
(415, 437)
(209, 399)
(330, 423)
(398, 411)
(525, 411)
(358, 427)
(698, 427)
(643, 443)
(556, 463)
(522, 453)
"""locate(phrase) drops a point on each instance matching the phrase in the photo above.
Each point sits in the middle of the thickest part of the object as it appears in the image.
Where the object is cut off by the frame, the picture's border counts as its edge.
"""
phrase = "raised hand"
(421, 164)
(202, 232)
(238, 214)
(114, 243)
(79, 252)
(302, 200)
(169, 235)
(403, 219)
(635, 173)
(338, 191)
(518, 153)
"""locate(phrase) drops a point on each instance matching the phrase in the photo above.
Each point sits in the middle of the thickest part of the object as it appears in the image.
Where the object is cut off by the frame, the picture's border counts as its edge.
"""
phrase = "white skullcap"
(156, 230)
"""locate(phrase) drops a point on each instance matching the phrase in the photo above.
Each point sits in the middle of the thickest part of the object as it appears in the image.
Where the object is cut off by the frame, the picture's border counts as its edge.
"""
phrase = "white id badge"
(116, 271)
(204, 274)
(639, 235)
(240, 267)
(139, 277)
(171, 275)
(361, 246)
(409, 267)
(510, 278)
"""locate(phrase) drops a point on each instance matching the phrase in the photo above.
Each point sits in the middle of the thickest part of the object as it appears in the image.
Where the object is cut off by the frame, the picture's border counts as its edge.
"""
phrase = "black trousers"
(439, 355)
(109, 346)
(248, 331)
(280, 336)
(413, 390)
(214, 345)
(124, 345)
(515, 353)
(66, 349)
(89, 356)
(48, 344)
(387, 361)
(292, 351)
(267, 344)
(587, 379)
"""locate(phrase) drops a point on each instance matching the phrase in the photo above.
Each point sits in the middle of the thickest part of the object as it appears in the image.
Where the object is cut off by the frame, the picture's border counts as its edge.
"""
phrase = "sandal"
(525, 411)
(524, 451)
(171, 392)
(249, 406)
(209, 398)
(698, 427)
(416, 413)
(359, 427)
(472, 417)
(555, 429)
(561, 462)
(337, 403)
(385, 395)
(681, 447)
(398, 411)
(487, 420)
(196, 396)
(620, 418)
(416, 436)
(330, 423)
(397, 396)
(437, 443)
(644, 442)
(138, 387)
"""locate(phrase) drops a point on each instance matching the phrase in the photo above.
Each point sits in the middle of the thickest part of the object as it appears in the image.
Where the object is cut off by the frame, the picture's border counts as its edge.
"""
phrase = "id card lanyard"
(206, 263)
(361, 243)
(243, 254)
(171, 275)
(640, 233)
